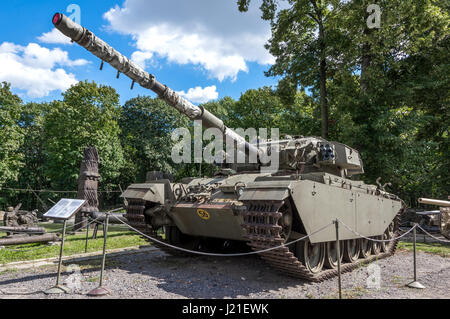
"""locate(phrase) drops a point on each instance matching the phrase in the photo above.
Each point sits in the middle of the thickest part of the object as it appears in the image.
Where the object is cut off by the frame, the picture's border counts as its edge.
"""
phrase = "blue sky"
(202, 48)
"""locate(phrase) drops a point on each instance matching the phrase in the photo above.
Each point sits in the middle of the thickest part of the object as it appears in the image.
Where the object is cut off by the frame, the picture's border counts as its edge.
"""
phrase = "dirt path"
(157, 275)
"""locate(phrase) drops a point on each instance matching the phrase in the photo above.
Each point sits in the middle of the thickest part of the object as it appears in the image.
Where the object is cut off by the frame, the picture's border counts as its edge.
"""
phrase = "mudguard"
(266, 191)
(149, 192)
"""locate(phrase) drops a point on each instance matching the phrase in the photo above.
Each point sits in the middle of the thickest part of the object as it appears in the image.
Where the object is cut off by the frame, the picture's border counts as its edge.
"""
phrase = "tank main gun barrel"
(122, 64)
(441, 203)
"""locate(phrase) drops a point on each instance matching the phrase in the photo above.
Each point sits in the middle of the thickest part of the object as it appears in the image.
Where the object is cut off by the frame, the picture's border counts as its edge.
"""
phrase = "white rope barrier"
(72, 226)
(222, 255)
(373, 239)
(241, 254)
(438, 239)
(389, 240)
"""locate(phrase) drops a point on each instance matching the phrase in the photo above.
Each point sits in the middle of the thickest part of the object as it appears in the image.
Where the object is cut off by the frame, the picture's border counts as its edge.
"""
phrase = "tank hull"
(318, 200)
(208, 220)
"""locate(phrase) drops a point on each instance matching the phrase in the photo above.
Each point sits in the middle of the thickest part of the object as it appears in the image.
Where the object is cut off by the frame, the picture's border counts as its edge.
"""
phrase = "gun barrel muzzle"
(437, 202)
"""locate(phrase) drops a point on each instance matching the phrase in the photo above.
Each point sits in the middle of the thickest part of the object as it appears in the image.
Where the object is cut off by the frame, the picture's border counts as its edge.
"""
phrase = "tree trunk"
(323, 98)
(365, 64)
(323, 82)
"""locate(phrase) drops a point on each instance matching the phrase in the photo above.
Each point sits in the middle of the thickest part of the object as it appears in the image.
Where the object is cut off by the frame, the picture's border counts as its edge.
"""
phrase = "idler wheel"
(365, 247)
(331, 260)
(311, 255)
(384, 244)
(351, 250)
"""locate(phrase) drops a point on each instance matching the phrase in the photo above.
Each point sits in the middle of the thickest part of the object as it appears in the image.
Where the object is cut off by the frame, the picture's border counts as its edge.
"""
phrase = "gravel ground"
(157, 275)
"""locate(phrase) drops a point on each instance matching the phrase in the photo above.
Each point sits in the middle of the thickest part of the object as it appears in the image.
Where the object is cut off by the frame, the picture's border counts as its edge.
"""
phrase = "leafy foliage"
(88, 116)
(387, 89)
(11, 134)
(146, 126)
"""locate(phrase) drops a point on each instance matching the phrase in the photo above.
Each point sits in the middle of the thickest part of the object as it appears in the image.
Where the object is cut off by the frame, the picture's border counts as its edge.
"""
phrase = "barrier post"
(100, 290)
(415, 283)
(338, 257)
(63, 210)
(87, 235)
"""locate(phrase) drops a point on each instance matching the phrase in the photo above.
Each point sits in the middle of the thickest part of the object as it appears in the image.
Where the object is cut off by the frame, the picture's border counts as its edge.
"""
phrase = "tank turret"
(313, 154)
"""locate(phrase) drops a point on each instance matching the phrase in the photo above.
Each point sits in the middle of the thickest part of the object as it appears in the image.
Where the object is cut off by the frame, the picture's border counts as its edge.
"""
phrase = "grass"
(432, 248)
(118, 237)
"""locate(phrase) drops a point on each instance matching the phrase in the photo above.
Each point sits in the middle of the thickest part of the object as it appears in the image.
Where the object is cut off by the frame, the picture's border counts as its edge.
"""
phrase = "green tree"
(394, 88)
(32, 120)
(303, 44)
(264, 108)
(88, 116)
(147, 124)
(387, 88)
(11, 134)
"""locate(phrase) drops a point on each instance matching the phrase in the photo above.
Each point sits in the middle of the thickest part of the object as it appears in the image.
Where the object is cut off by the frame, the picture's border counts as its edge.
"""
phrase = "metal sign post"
(338, 257)
(58, 289)
(100, 290)
(63, 210)
(415, 283)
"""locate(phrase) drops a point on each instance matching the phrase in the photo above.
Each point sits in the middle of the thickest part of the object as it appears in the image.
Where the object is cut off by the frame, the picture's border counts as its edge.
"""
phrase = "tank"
(244, 205)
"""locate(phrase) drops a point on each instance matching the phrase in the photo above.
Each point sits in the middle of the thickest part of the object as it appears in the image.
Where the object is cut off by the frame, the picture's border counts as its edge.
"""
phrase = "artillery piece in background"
(14, 217)
(21, 227)
(312, 187)
(443, 216)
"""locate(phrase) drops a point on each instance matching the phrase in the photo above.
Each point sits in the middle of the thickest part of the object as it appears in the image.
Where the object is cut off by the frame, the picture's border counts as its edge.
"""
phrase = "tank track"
(263, 232)
(136, 219)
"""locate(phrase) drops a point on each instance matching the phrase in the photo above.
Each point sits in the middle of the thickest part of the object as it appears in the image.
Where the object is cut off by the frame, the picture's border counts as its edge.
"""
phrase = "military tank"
(315, 184)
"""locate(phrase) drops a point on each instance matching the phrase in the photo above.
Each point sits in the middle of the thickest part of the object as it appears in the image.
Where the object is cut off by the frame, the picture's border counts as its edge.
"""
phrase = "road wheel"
(365, 247)
(331, 260)
(311, 255)
(351, 250)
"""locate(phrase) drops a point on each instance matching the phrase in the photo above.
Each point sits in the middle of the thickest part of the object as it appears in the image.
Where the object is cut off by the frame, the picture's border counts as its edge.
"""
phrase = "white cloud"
(200, 95)
(36, 69)
(212, 34)
(54, 37)
(140, 58)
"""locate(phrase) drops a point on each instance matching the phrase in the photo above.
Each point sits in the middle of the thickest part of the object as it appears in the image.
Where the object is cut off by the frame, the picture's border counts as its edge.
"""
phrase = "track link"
(263, 231)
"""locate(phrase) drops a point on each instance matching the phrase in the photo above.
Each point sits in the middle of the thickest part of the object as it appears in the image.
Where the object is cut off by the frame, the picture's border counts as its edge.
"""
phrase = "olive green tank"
(248, 205)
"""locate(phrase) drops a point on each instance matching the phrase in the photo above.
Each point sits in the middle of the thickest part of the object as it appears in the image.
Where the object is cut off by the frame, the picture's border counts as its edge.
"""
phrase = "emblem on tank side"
(203, 214)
